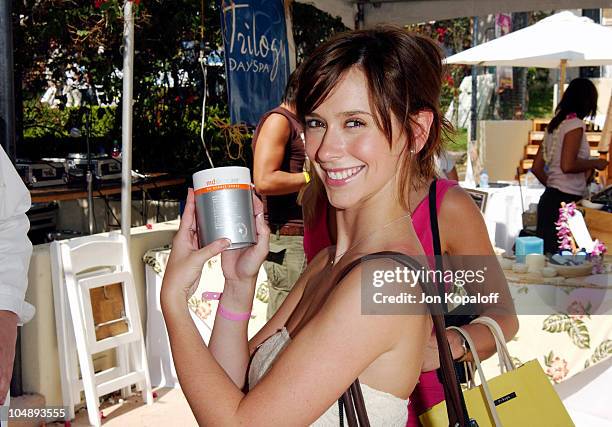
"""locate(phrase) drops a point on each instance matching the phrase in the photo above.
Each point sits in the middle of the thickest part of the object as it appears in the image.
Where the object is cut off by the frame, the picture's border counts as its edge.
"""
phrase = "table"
(64, 192)
(503, 212)
(586, 396)
(568, 341)
(161, 365)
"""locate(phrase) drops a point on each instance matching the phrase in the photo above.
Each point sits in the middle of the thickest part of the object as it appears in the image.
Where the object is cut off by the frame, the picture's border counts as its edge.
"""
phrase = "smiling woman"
(369, 100)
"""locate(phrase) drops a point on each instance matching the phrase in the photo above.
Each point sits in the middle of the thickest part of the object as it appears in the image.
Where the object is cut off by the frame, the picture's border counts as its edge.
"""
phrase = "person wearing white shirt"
(445, 167)
(563, 163)
(15, 252)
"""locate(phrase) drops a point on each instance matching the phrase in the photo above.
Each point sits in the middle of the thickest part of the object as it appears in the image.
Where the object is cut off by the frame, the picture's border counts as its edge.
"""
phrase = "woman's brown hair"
(404, 74)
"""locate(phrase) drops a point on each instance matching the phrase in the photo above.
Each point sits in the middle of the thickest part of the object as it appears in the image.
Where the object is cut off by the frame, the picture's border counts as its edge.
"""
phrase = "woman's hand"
(242, 265)
(186, 261)
(184, 267)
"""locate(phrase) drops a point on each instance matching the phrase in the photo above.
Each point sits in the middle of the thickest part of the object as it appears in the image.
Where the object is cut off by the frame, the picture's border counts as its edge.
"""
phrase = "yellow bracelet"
(306, 177)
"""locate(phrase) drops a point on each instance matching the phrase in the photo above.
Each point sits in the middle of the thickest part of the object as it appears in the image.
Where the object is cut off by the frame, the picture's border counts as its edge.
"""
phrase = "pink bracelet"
(212, 296)
(224, 312)
(230, 315)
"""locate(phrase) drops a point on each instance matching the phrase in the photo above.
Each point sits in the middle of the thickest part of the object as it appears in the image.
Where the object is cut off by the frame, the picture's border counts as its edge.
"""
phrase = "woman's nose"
(331, 146)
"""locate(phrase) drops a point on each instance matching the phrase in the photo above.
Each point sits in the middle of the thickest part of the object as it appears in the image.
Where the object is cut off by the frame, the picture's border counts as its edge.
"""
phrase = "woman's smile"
(341, 176)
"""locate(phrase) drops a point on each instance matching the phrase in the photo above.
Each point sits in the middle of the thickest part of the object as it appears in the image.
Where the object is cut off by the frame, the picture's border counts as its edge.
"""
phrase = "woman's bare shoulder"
(471, 237)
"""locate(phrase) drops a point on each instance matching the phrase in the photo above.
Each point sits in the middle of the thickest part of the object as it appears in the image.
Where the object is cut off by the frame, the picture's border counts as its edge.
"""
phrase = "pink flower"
(599, 248)
(563, 232)
(557, 369)
(576, 310)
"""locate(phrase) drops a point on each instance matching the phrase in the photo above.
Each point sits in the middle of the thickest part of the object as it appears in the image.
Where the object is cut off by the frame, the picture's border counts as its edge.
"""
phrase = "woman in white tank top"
(562, 163)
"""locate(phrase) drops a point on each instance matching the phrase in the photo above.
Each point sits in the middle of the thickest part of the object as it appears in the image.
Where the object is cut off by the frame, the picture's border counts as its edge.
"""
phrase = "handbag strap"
(455, 406)
(437, 251)
(483, 380)
(506, 364)
(435, 234)
(433, 220)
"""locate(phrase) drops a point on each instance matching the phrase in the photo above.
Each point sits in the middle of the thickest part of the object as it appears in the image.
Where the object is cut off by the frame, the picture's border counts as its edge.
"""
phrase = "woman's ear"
(423, 120)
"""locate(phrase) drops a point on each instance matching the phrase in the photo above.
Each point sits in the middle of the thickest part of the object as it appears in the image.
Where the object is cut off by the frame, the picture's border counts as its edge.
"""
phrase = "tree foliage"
(50, 35)
(311, 27)
(453, 35)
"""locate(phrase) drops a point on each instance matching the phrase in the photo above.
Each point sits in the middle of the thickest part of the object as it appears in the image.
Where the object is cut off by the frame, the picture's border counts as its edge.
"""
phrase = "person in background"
(562, 163)
(445, 167)
(278, 175)
(319, 218)
(15, 252)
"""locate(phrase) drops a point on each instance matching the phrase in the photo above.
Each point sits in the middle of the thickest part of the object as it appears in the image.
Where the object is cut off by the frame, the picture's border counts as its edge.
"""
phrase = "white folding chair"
(78, 266)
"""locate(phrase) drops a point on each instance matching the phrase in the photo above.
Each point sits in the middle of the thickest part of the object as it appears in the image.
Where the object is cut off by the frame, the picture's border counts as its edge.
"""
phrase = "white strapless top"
(384, 409)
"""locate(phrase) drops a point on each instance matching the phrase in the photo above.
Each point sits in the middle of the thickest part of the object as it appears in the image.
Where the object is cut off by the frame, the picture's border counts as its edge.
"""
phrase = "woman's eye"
(354, 123)
(314, 123)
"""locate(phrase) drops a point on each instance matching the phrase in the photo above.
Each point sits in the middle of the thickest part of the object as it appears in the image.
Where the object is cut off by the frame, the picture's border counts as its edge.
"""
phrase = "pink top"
(571, 183)
(428, 391)
(316, 235)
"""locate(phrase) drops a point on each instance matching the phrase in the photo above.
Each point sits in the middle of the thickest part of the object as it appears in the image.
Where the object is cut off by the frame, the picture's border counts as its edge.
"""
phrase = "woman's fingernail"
(225, 243)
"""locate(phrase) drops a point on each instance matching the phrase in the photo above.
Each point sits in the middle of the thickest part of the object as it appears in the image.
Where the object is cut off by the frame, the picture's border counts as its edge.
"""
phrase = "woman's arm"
(269, 153)
(538, 166)
(472, 239)
(325, 357)
(229, 343)
(229, 340)
(570, 163)
(240, 268)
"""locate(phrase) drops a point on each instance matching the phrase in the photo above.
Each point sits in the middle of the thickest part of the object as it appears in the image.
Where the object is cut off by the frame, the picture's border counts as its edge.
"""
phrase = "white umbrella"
(558, 41)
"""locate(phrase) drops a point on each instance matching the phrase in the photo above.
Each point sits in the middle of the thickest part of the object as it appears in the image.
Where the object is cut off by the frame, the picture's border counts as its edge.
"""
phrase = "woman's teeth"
(344, 174)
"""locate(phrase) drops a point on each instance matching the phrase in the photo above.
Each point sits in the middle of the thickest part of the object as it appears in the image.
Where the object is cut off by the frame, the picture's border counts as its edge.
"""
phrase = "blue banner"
(256, 56)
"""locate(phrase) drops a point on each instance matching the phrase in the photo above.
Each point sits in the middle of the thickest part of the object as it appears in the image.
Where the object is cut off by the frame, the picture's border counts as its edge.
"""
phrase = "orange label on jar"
(222, 187)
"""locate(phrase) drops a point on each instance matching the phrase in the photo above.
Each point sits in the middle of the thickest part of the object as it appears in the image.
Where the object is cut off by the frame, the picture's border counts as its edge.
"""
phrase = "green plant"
(458, 140)
(52, 35)
(540, 93)
(311, 27)
(170, 36)
(41, 121)
(453, 35)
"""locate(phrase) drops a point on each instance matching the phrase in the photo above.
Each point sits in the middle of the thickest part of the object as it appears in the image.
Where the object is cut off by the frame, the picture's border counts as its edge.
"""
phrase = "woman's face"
(350, 153)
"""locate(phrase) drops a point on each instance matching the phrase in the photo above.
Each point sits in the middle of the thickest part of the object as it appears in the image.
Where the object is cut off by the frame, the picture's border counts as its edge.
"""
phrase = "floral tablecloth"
(569, 340)
(565, 342)
(202, 311)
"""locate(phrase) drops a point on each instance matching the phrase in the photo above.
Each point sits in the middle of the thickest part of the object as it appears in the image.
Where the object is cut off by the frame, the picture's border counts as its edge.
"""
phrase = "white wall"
(502, 145)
